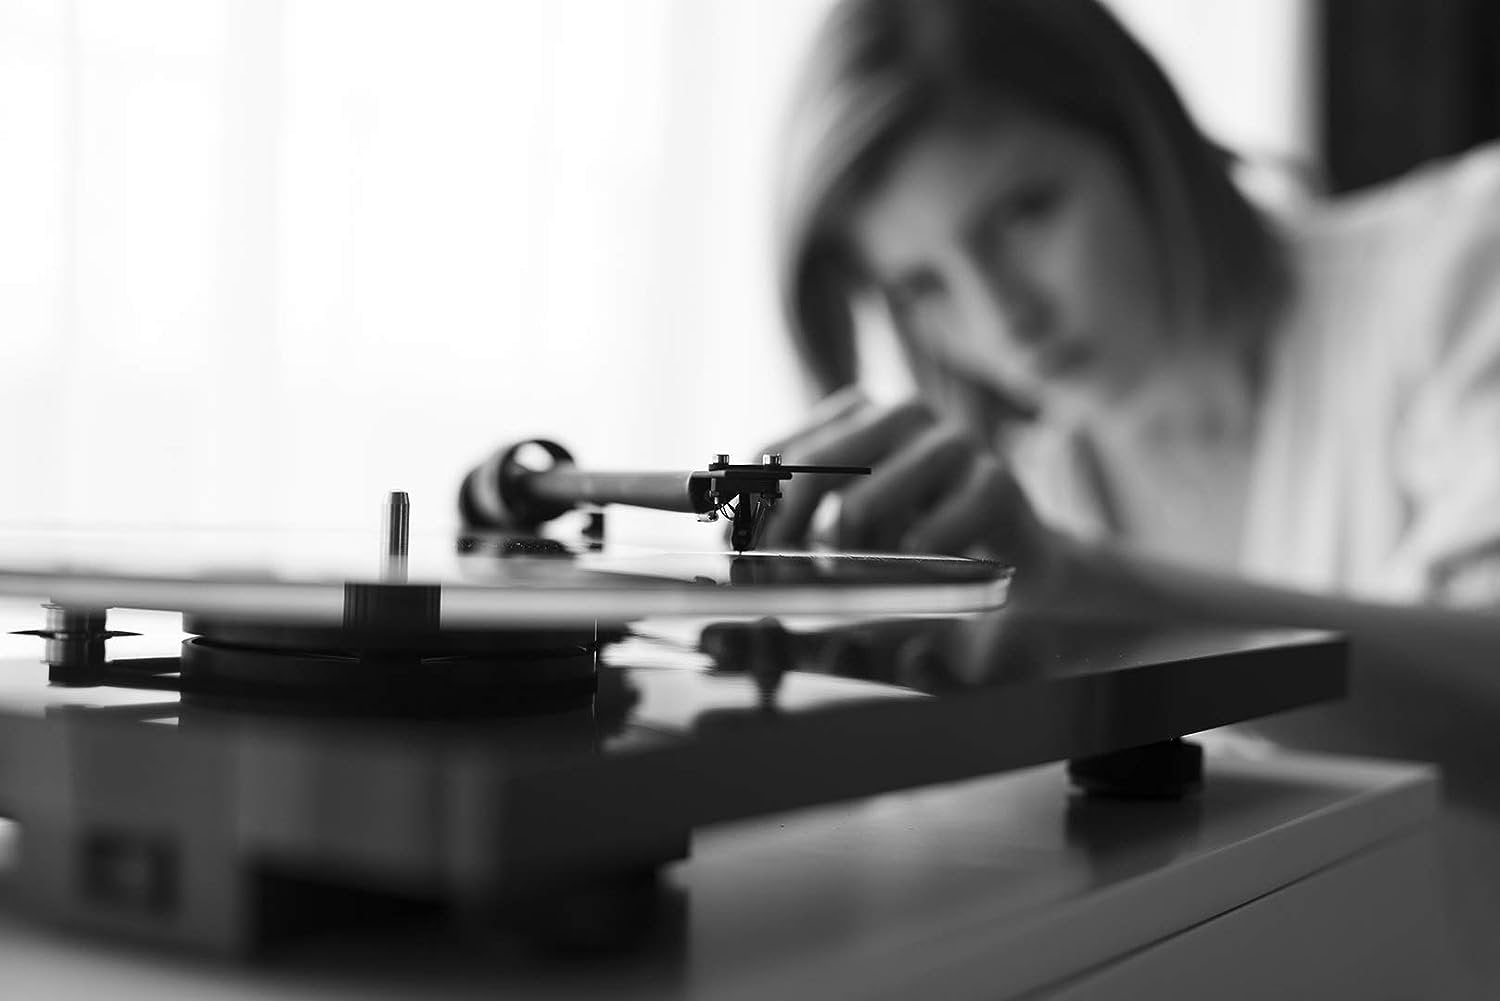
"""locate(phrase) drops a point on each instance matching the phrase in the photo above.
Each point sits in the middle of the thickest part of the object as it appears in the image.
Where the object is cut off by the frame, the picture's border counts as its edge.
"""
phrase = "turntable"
(517, 728)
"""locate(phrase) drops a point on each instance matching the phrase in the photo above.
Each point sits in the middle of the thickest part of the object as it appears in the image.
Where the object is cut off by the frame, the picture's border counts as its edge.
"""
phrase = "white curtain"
(263, 260)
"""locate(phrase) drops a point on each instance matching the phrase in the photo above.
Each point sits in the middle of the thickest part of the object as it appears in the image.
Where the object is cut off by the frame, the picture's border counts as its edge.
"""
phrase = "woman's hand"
(935, 489)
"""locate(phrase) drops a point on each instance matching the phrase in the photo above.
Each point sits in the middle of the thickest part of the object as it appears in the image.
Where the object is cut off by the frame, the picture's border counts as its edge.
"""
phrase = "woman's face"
(1018, 253)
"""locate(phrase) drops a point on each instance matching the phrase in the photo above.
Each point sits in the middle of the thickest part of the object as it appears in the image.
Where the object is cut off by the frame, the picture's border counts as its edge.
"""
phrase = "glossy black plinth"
(149, 816)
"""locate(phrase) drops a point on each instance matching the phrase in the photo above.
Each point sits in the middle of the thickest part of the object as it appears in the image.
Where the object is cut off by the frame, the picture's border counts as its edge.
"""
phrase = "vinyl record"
(475, 580)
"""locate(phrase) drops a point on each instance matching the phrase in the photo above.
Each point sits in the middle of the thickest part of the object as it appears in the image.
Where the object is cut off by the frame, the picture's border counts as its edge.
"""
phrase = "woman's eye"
(919, 308)
(1017, 210)
(909, 296)
(1033, 204)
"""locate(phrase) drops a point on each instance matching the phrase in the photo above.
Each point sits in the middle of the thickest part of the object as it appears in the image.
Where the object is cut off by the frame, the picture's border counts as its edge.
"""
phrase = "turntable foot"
(1168, 769)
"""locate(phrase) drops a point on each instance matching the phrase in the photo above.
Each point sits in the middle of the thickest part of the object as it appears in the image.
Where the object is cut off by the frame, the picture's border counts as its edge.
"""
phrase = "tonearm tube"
(513, 491)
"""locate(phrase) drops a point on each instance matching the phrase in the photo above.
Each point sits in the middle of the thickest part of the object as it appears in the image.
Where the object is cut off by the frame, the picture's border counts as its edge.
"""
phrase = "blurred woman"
(1091, 307)
(1148, 394)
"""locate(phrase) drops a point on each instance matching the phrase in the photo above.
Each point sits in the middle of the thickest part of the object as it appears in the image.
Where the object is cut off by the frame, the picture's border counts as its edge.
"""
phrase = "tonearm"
(512, 490)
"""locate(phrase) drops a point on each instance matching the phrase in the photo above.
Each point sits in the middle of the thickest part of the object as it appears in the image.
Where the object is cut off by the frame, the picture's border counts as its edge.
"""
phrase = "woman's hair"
(883, 69)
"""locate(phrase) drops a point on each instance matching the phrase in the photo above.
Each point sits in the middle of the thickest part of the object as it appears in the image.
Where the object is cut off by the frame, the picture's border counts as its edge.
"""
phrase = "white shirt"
(1375, 469)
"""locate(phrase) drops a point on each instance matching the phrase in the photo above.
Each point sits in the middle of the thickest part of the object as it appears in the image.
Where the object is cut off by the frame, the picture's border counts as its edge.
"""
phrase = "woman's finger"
(861, 439)
(991, 512)
(969, 515)
(877, 511)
